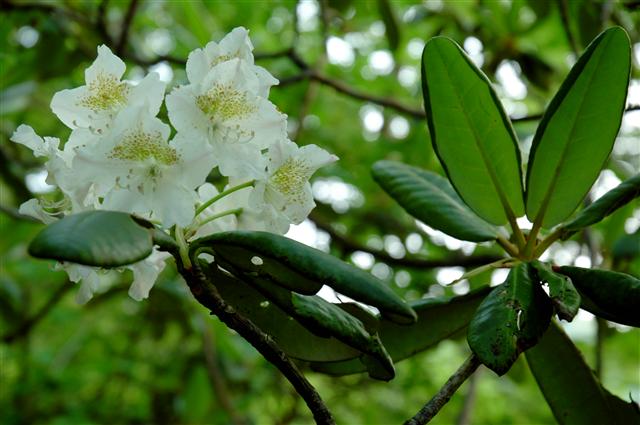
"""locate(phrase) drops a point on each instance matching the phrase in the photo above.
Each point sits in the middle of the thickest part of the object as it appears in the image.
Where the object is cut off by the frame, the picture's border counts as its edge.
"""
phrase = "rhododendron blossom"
(120, 156)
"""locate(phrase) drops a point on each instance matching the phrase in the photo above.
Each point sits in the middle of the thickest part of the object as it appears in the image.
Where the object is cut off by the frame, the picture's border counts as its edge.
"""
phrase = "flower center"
(290, 177)
(223, 102)
(220, 59)
(105, 92)
(140, 146)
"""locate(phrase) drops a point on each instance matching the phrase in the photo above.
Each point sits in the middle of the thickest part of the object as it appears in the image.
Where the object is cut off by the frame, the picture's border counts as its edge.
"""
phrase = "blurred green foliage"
(165, 360)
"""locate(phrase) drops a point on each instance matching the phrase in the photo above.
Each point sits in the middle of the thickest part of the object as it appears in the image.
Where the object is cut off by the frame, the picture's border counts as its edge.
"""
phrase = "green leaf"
(511, 319)
(299, 267)
(291, 336)
(578, 129)
(618, 197)
(438, 319)
(94, 238)
(471, 133)
(325, 319)
(563, 294)
(570, 387)
(392, 30)
(611, 295)
(349, 330)
(431, 199)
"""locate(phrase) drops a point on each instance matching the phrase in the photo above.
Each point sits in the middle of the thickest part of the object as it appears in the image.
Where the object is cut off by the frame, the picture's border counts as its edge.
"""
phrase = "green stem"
(183, 248)
(496, 264)
(234, 211)
(520, 241)
(223, 194)
(507, 246)
(546, 242)
(531, 240)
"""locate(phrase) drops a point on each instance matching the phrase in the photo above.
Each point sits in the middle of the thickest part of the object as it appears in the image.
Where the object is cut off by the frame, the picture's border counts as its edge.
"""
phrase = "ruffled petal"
(145, 274)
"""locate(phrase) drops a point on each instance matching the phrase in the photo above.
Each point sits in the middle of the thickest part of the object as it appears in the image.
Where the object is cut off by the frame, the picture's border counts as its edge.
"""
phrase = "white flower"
(235, 45)
(145, 274)
(285, 185)
(263, 218)
(225, 111)
(34, 208)
(88, 276)
(58, 166)
(136, 170)
(95, 104)
(44, 147)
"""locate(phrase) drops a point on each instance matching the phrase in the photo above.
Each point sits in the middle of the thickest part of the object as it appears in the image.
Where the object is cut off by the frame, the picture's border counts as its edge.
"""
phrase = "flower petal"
(145, 274)
(105, 63)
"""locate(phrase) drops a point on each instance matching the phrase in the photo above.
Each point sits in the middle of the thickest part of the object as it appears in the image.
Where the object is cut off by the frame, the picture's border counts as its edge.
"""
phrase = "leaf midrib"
(447, 196)
(556, 173)
(501, 196)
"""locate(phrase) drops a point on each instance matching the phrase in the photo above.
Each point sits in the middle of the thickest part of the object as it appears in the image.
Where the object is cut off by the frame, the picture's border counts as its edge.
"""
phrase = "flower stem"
(183, 248)
(234, 211)
(222, 195)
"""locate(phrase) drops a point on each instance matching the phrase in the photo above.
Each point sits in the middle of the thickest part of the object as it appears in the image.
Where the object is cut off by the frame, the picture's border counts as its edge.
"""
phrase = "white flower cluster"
(119, 156)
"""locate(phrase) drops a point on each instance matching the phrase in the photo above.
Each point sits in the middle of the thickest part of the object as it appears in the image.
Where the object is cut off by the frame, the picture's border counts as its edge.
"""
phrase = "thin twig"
(126, 25)
(209, 297)
(434, 405)
(25, 327)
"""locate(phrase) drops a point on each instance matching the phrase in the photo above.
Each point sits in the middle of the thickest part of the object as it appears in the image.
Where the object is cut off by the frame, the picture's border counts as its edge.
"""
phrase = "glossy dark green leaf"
(349, 330)
(613, 296)
(250, 258)
(431, 199)
(291, 336)
(94, 238)
(617, 197)
(570, 387)
(471, 133)
(325, 319)
(438, 319)
(563, 294)
(578, 129)
(289, 263)
(511, 319)
(391, 28)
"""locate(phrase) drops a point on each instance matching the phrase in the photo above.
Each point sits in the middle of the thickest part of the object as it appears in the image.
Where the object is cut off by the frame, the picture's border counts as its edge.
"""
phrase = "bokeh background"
(350, 83)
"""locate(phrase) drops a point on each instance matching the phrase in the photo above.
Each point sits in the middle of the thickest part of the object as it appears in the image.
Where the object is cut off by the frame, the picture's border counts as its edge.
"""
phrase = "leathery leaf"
(432, 200)
(471, 133)
(511, 319)
(303, 269)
